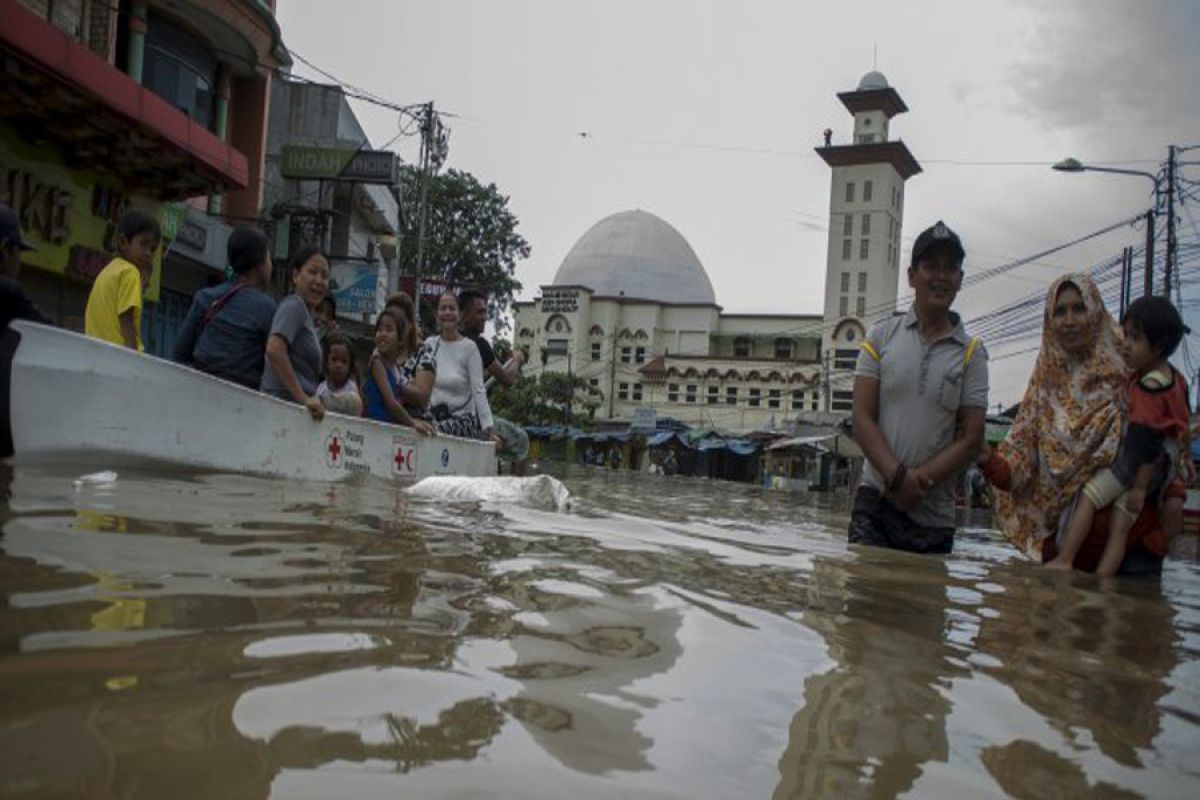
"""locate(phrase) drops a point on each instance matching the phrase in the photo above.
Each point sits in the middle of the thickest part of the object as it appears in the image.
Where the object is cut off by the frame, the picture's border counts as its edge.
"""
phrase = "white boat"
(75, 399)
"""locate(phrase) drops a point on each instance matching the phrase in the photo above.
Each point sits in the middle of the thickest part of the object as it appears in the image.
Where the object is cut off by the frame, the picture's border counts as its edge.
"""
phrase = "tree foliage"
(471, 236)
(543, 400)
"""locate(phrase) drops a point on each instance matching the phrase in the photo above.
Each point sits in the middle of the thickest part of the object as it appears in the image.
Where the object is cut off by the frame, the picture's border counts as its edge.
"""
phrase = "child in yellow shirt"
(114, 308)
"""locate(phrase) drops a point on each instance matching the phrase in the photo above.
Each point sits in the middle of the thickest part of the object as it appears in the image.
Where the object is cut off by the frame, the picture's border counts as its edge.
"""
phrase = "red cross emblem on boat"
(333, 449)
(404, 457)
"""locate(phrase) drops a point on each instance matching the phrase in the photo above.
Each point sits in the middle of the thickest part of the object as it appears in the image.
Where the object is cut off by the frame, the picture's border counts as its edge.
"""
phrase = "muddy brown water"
(179, 636)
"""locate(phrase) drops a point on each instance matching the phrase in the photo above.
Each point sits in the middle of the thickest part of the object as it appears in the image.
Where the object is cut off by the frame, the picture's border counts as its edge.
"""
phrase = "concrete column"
(221, 124)
(137, 39)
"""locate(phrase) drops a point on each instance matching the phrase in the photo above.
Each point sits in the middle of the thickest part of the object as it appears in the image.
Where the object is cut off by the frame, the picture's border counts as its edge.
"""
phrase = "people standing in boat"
(1067, 429)
(225, 331)
(14, 302)
(339, 391)
(459, 403)
(418, 367)
(383, 389)
(473, 310)
(292, 366)
(114, 307)
(920, 395)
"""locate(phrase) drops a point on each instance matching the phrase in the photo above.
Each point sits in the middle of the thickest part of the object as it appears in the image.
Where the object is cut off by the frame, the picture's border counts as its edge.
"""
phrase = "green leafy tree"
(545, 399)
(502, 348)
(471, 238)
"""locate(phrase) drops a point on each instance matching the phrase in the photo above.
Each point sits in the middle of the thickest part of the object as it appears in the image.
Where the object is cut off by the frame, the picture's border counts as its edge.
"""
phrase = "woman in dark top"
(225, 331)
(293, 364)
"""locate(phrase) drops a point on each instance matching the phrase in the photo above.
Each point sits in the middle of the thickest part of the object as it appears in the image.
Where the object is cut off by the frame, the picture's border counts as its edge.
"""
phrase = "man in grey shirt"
(920, 396)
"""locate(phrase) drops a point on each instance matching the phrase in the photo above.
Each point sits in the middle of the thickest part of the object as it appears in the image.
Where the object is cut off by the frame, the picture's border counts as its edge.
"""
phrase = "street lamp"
(1074, 165)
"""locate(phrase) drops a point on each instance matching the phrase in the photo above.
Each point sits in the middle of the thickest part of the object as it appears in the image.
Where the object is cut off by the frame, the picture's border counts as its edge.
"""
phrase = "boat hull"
(77, 399)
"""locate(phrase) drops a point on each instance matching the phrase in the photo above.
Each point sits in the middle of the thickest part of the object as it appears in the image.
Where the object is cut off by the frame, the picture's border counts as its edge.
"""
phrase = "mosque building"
(632, 311)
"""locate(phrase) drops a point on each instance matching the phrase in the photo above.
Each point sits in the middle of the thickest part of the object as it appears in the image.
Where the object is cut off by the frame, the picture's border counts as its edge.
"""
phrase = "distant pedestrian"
(920, 394)
(114, 307)
(14, 302)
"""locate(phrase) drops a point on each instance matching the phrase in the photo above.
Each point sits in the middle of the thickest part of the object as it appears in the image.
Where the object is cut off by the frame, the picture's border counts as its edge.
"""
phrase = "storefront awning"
(55, 90)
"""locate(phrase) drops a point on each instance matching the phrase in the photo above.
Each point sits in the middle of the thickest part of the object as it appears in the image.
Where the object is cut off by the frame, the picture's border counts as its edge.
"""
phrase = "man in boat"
(920, 396)
(473, 313)
(14, 301)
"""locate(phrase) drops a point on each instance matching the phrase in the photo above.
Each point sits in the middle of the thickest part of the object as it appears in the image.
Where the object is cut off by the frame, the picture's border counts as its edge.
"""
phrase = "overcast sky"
(706, 113)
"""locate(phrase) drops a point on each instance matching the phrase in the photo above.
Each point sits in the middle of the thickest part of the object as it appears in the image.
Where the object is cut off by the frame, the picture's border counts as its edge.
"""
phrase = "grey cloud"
(1098, 66)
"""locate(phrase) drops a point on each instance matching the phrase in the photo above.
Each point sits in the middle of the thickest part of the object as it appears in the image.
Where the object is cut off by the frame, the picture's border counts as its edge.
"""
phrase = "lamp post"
(1074, 165)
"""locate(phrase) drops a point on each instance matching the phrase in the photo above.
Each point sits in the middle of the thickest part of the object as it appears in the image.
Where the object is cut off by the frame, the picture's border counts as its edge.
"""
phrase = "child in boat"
(384, 385)
(339, 391)
(1154, 438)
(114, 307)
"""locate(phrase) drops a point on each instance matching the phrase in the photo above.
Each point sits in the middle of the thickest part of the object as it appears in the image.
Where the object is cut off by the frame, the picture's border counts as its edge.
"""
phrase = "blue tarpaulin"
(739, 447)
(660, 438)
(742, 447)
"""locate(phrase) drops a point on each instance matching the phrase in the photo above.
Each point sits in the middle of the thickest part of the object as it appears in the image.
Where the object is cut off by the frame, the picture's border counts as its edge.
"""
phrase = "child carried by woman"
(1155, 437)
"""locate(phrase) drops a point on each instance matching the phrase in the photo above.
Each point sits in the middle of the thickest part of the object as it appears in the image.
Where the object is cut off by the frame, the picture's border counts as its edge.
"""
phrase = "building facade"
(631, 309)
(152, 104)
(355, 222)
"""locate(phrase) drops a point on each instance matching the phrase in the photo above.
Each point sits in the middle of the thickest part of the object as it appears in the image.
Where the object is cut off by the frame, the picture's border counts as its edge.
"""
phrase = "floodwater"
(219, 636)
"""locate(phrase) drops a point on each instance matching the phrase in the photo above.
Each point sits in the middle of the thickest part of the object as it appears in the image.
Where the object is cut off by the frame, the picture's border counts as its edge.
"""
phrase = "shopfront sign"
(70, 216)
(338, 163)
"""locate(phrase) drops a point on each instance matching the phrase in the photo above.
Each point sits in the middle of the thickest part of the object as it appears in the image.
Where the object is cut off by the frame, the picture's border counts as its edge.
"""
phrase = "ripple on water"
(230, 636)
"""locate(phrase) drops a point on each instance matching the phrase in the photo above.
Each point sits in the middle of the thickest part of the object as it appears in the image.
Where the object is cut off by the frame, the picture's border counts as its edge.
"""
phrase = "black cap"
(10, 228)
(931, 237)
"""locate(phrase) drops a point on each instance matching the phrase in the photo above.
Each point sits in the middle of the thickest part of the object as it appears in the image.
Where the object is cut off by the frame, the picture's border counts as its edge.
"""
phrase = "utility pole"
(1126, 268)
(825, 366)
(426, 149)
(570, 392)
(1169, 264)
(434, 137)
(1148, 289)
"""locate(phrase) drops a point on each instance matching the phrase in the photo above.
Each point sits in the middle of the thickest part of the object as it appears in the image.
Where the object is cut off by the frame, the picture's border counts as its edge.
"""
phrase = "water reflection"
(870, 723)
(217, 636)
(1091, 659)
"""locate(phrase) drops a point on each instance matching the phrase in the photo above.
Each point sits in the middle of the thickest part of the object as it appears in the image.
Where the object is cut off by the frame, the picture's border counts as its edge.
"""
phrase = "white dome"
(638, 255)
(872, 80)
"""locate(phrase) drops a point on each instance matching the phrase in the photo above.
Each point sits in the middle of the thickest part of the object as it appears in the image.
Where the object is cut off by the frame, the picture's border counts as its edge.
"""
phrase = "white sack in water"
(542, 490)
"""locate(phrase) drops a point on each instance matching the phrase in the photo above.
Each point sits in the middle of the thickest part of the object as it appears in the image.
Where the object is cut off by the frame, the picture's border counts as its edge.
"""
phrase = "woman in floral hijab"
(1069, 424)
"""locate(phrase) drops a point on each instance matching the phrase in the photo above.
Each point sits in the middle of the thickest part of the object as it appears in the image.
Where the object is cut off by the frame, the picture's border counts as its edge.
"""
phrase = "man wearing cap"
(14, 302)
(920, 396)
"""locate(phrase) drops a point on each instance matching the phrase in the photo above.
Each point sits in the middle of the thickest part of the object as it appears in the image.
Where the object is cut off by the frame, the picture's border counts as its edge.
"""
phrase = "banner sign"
(338, 163)
(354, 287)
